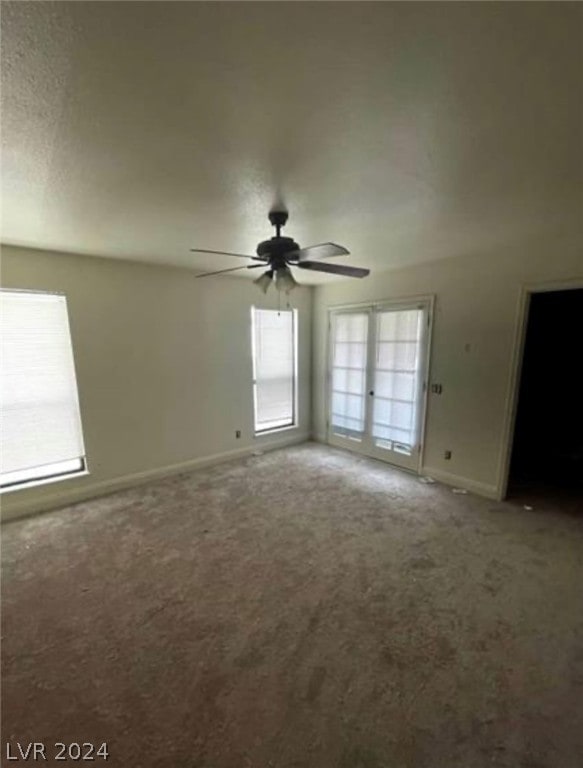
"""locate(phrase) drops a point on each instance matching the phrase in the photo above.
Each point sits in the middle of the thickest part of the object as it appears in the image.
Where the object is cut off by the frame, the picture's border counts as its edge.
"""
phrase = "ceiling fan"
(280, 253)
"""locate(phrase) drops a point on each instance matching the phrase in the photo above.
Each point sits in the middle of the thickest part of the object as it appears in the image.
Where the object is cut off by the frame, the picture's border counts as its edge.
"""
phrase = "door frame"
(429, 301)
(515, 373)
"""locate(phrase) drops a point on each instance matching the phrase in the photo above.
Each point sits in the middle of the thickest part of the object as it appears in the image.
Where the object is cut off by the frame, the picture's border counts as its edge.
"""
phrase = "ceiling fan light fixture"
(284, 280)
(265, 280)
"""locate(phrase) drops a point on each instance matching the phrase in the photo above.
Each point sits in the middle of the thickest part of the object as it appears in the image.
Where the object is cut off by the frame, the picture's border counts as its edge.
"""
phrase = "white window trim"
(46, 480)
(275, 430)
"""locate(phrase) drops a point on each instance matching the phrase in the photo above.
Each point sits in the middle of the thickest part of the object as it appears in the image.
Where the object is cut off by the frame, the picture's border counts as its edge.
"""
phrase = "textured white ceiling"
(406, 131)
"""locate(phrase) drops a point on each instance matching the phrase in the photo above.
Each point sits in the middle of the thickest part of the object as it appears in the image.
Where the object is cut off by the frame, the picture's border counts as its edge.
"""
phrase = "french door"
(378, 380)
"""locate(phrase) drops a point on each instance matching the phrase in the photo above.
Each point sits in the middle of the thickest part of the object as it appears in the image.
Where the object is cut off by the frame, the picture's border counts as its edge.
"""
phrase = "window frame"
(295, 419)
(65, 474)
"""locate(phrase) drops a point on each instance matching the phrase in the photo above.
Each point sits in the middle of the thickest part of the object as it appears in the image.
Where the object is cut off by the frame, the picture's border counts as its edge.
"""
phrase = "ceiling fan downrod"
(278, 220)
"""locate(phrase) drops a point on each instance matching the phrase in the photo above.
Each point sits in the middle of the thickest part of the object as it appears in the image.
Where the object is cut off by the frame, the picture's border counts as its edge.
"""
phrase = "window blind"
(39, 408)
(274, 369)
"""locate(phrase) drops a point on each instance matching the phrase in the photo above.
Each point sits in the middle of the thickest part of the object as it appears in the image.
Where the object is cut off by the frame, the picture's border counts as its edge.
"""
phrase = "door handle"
(371, 393)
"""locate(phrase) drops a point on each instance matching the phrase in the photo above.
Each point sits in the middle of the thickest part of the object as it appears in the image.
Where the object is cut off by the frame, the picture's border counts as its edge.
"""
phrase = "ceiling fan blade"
(335, 269)
(233, 269)
(321, 251)
(225, 253)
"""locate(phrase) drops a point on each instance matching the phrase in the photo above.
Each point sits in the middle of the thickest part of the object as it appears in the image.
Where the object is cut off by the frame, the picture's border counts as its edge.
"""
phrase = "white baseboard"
(26, 507)
(458, 481)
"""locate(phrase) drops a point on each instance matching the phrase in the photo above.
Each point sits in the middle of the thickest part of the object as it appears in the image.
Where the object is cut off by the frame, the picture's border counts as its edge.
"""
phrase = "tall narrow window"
(42, 438)
(274, 368)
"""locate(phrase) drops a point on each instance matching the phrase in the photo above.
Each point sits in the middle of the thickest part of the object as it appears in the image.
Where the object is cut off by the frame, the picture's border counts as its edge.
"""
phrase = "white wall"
(477, 300)
(163, 367)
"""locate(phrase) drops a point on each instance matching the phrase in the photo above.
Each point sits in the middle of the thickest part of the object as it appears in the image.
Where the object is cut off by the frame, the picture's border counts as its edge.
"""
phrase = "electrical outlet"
(447, 455)
(237, 433)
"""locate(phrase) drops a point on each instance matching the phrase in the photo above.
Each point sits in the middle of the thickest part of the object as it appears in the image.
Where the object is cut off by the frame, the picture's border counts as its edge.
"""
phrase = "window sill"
(44, 481)
(275, 430)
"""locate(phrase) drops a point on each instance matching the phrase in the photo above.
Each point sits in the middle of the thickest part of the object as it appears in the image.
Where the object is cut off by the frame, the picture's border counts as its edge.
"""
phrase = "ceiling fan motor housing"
(276, 247)
(274, 250)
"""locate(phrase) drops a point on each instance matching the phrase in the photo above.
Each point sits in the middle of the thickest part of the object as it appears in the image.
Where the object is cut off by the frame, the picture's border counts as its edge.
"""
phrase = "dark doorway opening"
(547, 452)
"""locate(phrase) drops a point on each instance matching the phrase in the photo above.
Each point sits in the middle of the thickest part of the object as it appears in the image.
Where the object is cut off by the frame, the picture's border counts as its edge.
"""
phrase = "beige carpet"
(302, 609)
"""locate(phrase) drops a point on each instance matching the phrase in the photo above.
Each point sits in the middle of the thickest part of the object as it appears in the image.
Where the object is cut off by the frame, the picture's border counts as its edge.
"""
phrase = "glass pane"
(392, 433)
(400, 386)
(393, 412)
(349, 360)
(397, 356)
(350, 354)
(398, 325)
(351, 327)
(348, 380)
(351, 406)
(397, 379)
